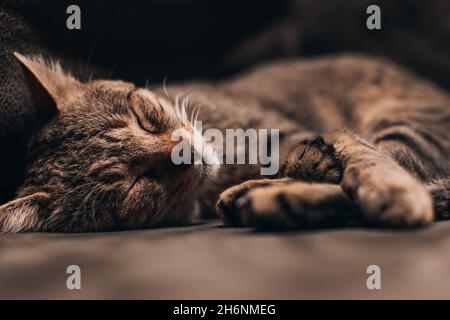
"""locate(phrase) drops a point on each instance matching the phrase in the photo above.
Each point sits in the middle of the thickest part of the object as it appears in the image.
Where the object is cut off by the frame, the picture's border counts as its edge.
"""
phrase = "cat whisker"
(165, 87)
(177, 106)
(197, 114)
(91, 51)
(180, 107)
(110, 73)
(191, 119)
(193, 114)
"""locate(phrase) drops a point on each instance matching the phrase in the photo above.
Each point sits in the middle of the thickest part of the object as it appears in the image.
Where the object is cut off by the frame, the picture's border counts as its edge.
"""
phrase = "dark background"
(149, 40)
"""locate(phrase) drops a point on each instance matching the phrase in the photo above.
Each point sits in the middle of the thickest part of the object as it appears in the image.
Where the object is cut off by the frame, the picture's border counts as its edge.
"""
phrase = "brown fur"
(397, 146)
(101, 159)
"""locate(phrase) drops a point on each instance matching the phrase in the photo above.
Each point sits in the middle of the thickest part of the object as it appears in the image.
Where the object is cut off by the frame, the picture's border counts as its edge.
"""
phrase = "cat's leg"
(380, 190)
(23, 214)
(227, 205)
(313, 160)
(286, 204)
(268, 203)
(383, 191)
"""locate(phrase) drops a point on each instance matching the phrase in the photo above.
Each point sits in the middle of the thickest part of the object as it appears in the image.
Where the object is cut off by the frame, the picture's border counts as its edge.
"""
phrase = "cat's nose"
(181, 152)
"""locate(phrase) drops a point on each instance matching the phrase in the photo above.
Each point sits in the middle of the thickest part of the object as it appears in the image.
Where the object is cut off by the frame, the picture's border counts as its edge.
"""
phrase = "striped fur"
(361, 140)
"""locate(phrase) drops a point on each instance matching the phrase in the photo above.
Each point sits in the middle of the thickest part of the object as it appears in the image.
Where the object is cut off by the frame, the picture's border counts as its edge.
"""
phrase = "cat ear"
(23, 214)
(47, 82)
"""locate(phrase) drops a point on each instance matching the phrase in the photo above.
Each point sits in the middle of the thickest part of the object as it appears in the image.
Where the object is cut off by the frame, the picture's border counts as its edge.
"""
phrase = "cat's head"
(101, 160)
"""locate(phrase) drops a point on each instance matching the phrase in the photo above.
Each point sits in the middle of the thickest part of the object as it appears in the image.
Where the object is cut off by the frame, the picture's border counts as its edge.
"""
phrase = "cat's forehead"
(117, 93)
(120, 99)
(152, 98)
(113, 85)
(161, 105)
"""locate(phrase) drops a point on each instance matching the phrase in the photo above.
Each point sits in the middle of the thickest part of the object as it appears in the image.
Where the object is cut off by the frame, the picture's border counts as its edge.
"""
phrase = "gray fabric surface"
(207, 261)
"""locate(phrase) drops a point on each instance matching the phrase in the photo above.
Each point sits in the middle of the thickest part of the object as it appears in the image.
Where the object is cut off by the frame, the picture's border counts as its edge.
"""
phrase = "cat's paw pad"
(388, 197)
(314, 161)
(227, 204)
(266, 208)
(294, 206)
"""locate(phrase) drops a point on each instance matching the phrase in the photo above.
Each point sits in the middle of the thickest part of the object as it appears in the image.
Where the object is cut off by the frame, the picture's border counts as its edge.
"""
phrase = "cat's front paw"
(296, 205)
(313, 161)
(227, 204)
(388, 197)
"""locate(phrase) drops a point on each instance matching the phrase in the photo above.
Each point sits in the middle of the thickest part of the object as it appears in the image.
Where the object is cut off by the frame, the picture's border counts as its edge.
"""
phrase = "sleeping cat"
(360, 140)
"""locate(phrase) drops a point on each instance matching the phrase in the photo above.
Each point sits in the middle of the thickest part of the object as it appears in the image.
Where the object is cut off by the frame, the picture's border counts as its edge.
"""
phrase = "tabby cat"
(361, 140)
(100, 158)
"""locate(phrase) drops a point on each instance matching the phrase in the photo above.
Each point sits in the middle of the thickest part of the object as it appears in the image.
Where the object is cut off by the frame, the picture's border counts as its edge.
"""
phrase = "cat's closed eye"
(146, 124)
(117, 124)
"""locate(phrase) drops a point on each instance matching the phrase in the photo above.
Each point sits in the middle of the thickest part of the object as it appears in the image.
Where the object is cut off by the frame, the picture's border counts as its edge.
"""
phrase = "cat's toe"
(227, 207)
(295, 206)
(263, 209)
(314, 161)
(393, 199)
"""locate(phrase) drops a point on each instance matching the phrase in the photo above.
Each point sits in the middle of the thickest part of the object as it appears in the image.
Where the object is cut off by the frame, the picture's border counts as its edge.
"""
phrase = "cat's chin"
(180, 215)
(208, 172)
(188, 207)
(204, 175)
